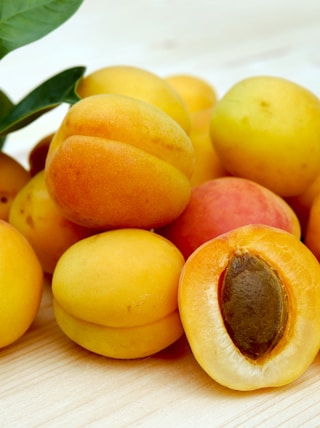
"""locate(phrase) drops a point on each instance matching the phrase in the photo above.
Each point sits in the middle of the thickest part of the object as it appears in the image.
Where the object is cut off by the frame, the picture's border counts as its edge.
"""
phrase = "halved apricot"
(249, 302)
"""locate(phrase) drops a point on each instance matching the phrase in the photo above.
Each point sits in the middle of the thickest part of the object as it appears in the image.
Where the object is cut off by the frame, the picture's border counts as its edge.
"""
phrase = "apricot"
(302, 203)
(200, 98)
(21, 284)
(249, 302)
(138, 83)
(267, 129)
(38, 154)
(312, 233)
(115, 293)
(13, 176)
(197, 93)
(116, 161)
(207, 165)
(37, 217)
(225, 203)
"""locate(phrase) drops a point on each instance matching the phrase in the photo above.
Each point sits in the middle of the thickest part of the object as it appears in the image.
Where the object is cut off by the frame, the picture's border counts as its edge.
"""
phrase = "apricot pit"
(253, 302)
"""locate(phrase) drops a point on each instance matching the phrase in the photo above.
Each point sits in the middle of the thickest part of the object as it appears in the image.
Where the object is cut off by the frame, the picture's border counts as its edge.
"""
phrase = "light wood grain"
(48, 381)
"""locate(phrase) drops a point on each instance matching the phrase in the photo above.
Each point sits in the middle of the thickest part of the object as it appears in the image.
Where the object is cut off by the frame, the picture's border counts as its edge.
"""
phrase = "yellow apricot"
(208, 165)
(118, 161)
(197, 93)
(21, 282)
(267, 129)
(13, 176)
(138, 83)
(200, 98)
(115, 293)
(38, 218)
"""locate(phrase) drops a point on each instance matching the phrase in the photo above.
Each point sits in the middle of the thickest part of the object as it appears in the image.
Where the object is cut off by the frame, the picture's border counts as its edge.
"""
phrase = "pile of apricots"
(160, 210)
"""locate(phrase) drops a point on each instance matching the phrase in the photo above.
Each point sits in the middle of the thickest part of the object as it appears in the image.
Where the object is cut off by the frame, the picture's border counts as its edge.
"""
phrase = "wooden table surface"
(45, 379)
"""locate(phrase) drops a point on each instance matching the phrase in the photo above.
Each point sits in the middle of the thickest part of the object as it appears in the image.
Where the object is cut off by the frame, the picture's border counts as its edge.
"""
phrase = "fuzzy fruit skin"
(119, 162)
(38, 218)
(267, 129)
(13, 176)
(312, 232)
(137, 83)
(224, 203)
(203, 324)
(21, 284)
(115, 293)
(197, 93)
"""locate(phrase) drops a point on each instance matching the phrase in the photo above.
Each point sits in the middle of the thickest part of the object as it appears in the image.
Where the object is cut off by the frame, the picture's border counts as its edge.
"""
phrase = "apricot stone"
(118, 162)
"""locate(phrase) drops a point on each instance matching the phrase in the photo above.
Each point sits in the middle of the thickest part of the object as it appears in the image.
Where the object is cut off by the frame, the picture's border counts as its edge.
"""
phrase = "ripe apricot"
(267, 129)
(115, 293)
(138, 83)
(312, 233)
(207, 165)
(224, 203)
(13, 176)
(37, 217)
(21, 282)
(117, 161)
(249, 303)
(302, 203)
(200, 98)
(197, 93)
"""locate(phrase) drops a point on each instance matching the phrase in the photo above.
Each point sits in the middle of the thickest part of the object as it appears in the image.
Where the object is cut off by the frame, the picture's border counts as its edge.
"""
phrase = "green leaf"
(59, 89)
(24, 21)
(5, 106)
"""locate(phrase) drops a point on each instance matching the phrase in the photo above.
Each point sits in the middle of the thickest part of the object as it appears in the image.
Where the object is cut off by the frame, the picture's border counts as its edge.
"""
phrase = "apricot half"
(117, 161)
(249, 303)
(115, 293)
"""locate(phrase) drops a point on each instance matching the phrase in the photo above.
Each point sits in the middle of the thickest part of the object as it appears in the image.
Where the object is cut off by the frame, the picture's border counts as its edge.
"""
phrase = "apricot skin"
(119, 162)
(115, 293)
(267, 129)
(137, 83)
(202, 320)
(224, 203)
(38, 218)
(197, 93)
(13, 176)
(21, 284)
(312, 233)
